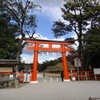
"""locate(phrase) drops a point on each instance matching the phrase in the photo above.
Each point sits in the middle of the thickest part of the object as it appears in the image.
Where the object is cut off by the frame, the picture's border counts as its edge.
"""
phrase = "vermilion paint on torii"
(37, 48)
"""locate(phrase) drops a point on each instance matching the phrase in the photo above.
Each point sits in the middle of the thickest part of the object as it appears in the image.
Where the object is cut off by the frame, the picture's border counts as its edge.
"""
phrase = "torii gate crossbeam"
(37, 48)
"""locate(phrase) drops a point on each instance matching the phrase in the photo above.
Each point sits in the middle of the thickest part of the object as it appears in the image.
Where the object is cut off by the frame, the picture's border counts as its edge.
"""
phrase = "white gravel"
(78, 90)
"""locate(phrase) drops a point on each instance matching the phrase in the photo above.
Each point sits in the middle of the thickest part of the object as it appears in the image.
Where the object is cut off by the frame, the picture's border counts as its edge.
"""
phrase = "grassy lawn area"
(50, 74)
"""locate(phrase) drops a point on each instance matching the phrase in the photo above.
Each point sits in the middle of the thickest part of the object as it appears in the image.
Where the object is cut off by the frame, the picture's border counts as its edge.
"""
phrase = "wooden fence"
(82, 75)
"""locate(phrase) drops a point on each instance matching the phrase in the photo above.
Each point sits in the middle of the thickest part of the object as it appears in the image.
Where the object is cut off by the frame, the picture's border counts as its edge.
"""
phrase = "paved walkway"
(78, 90)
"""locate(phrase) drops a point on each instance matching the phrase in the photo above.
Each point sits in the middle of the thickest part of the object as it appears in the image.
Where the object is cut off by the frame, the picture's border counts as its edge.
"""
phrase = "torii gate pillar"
(65, 67)
(35, 64)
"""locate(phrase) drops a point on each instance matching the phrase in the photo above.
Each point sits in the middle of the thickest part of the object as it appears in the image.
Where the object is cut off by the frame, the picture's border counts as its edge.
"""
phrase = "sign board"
(11, 77)
(6, 69)
(77, 62)
(96, 70)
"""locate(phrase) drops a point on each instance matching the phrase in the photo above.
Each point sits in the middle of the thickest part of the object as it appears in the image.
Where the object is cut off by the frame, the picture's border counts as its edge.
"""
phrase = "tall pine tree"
(80, 15)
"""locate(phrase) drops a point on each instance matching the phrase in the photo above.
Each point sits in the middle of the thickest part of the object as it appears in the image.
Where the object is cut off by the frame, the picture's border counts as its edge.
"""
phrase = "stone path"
(78, 90)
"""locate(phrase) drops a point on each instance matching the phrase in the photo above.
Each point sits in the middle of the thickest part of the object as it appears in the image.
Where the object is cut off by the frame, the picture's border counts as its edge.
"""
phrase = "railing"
(82, 75)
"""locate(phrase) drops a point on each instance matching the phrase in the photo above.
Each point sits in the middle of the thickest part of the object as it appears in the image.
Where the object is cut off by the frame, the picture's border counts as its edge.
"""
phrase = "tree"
(22, 12)
(46, 63)
(8, 46)
(80, 15)
(91, 47)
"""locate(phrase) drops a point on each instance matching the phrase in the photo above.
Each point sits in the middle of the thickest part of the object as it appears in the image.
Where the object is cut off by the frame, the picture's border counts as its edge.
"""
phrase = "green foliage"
(59, 28)
(8, 47)
(21, 66)
(22, 13)
(92, 40)
(81, 16)
(44, 65)
(91, 46)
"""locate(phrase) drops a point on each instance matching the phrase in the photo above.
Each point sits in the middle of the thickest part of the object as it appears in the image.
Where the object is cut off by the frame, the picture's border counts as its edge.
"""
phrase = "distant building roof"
(9, 62)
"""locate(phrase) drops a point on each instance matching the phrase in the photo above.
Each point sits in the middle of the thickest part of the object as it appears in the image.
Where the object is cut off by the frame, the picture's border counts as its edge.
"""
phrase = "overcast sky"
(51, 8)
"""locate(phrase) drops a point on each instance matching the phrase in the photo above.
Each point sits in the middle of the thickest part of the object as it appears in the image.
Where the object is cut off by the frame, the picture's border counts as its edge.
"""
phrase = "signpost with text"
(77, 63)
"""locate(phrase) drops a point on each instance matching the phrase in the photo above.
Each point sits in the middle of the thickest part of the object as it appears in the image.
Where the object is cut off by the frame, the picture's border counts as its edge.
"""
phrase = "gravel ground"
(78, 90)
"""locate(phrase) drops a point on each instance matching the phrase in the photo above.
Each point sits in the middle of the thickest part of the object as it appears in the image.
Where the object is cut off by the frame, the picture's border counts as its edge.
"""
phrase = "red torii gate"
(37, 48)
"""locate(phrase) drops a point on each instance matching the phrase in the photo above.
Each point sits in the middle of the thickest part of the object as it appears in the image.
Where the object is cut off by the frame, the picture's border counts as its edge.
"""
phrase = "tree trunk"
(18, 55)
(80, 42)
(20, 48)
(87, 58)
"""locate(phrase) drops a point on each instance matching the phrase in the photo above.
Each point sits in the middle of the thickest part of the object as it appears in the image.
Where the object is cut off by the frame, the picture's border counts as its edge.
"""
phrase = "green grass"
(50, 74)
